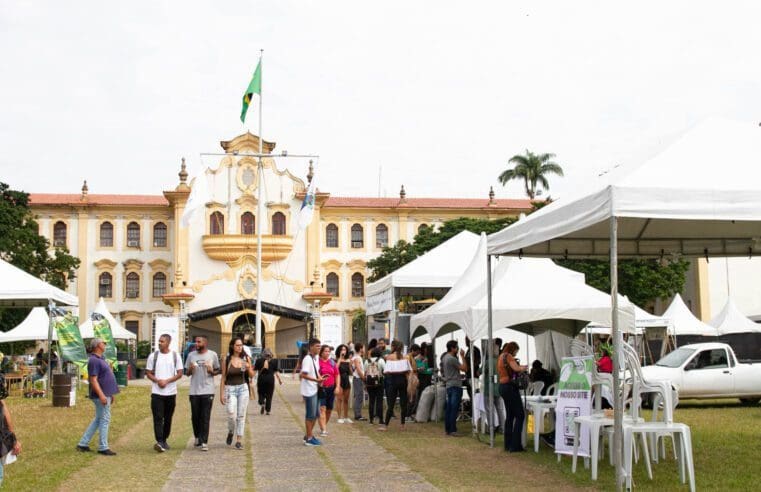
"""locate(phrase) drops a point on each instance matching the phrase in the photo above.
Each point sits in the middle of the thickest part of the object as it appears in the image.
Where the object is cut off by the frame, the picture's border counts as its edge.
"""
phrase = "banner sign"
(331, 330)
(69, 339)
(101, 328)
(169, 325)
(574, 400)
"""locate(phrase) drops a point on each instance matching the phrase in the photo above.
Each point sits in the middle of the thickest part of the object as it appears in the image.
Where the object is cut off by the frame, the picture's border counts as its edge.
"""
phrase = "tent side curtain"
(379, 303)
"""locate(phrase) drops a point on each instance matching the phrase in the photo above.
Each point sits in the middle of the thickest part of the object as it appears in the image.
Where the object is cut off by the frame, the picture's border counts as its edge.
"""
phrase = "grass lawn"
(49, 435)
(725, 437)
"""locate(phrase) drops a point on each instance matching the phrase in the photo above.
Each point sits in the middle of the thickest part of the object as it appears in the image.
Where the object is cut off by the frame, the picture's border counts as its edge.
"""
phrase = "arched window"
(381, 236)
(106, 235)
(159, 284)
(247, 223)
(357, 285)
(105, 285)
(133, 235)
(59, 234)
(159, 235)
(331, 282)
(331, 236)
(421, 227)
(133, 285)
(278, 224)
(217, 223)
(357, 236)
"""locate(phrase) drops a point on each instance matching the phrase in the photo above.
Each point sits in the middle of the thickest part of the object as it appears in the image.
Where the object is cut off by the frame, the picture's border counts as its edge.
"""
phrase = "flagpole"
(259, 220)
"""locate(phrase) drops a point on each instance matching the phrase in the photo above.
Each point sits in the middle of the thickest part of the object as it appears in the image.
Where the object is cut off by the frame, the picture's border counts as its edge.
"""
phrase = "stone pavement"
(275, 451)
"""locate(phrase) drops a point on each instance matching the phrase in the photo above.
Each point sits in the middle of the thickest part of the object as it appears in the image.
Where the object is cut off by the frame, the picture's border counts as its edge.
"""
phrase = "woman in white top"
(396, 371)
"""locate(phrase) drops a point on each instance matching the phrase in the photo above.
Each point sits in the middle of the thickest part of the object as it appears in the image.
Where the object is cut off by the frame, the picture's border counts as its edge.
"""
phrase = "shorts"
(330, 397)
(311, 409)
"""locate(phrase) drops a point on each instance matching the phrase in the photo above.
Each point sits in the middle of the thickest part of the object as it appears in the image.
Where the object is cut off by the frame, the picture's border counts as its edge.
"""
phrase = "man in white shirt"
(163, 368)
(310, 382)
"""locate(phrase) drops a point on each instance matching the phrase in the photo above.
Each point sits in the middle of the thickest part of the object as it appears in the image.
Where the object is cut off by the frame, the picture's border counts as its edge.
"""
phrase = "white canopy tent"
(118, 331)
(440, 267)
(731, 321)
(34, 327)
(683, 322)
(21, 289)
(674, 204)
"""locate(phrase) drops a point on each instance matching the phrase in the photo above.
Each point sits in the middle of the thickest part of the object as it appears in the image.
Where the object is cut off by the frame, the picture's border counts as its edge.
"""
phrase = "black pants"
(376, 403)
(515, 416)
(162, 407)
(200, 412)
(396, 387)
(265, 390)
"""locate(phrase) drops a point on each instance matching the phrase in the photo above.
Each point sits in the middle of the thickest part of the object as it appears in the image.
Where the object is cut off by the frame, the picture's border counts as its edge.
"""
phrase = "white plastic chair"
(553, 388)
(535, 388)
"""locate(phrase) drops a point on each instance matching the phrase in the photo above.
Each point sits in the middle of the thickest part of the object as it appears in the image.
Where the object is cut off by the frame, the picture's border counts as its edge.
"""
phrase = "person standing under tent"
(310, 381)
(474, 371)
(395, 371)
(508, 367)
(102, 390)
(451, 369)
(267, 371)
(374, 367)
(413, 381)
(491, 360)
(357, 380)
(163, 368)
(201, 365)
(343, 388)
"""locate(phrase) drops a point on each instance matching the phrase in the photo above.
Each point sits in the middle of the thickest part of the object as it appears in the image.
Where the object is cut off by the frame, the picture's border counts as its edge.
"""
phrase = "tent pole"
(472, 389)
(51, 306)
(618, 417)
(490, 384)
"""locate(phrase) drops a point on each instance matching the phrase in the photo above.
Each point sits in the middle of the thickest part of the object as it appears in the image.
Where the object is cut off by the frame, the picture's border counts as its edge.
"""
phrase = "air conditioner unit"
(133, 243)
(131, 295)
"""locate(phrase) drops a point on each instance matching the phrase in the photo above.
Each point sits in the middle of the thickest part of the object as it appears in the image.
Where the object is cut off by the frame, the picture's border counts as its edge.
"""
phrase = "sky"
(435, 96)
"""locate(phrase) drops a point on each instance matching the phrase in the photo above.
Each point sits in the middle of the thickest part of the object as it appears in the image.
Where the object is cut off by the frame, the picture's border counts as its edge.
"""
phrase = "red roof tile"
(66, 199)
(363, 202)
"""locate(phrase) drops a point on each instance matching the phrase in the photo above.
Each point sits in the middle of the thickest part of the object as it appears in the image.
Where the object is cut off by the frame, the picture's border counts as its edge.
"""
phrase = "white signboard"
(169, 325)
(332, 330)
(574, 400)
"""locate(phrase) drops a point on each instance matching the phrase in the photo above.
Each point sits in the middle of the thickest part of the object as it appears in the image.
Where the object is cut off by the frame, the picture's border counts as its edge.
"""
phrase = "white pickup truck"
(708, 370)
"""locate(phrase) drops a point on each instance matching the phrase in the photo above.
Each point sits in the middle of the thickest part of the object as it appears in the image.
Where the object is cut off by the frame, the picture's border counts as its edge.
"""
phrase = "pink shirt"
(329, 371)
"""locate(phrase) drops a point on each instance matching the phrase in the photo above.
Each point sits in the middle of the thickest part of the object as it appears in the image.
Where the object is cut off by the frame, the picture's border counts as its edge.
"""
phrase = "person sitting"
(605, 363)
(539, 373)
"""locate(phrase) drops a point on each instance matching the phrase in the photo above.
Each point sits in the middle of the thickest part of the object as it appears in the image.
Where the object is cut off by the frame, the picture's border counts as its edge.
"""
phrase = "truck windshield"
(676, 358)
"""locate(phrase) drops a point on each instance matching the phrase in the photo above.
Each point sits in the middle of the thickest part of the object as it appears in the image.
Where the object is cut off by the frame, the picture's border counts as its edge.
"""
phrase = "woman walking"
(374, 366)
(343, 389)
(396, 369)
(234, 390)
(326, 393)
(508, 368)
(266, 368)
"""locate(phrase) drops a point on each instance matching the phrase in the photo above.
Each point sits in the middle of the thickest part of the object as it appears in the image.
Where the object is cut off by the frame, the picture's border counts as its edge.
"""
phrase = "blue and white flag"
(199, 197)
(307, 208)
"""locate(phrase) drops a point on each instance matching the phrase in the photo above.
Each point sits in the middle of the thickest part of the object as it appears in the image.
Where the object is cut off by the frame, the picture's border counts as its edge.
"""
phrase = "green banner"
(576, 374)
(69, 339)
(101, 328)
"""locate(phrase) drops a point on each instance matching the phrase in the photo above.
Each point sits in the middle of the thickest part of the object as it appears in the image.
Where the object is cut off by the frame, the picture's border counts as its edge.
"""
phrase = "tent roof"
(683, 322)
(117, 330)
(730, 321)
(34, 327)
(21, 289)
(439, 267)
(675, 203)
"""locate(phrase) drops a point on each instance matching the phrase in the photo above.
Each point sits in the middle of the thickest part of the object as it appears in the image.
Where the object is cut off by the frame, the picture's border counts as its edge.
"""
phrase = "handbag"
(320, 390)
(518, 379)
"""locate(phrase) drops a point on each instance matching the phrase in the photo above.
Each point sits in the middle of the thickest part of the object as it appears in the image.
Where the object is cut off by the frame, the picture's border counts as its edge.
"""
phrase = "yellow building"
(136, 255)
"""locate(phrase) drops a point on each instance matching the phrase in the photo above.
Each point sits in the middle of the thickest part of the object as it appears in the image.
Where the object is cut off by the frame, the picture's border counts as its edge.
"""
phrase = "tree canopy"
(22, 246)
(533, 169)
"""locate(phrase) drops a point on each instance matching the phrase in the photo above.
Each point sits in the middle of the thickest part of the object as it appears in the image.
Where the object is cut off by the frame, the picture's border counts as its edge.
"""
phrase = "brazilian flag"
(254, 87)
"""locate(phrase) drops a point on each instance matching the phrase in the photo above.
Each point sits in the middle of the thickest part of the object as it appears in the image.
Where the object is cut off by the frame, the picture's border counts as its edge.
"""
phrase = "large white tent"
(34, 327)
(731, 321)
(683, 322)
(437, 268)
(696, 199)
(118, 331)
(21, 289)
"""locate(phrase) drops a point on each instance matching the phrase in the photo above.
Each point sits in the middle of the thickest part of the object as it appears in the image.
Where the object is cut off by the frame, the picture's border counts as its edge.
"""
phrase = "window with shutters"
(331, 236)
(381, 236)
(106, 235)
(105, 285)
(247, 223)
(159, 235)
(59, 234)
(357, 285)
(159, 284)
(133, 235)
(216, 224)
(133, 285)
(278, 224)
(357, 236)
(331, 283)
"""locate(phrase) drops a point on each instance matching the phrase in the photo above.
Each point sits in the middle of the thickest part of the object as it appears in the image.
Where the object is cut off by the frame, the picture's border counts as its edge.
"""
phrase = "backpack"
(372, 374)
(174, 360)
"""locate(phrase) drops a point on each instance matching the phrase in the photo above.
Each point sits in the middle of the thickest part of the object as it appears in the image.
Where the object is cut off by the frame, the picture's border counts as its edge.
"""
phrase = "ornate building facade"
(136, 254)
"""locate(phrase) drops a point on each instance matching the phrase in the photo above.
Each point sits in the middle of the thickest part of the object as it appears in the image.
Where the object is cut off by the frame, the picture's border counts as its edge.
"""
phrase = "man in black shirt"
(476, 366)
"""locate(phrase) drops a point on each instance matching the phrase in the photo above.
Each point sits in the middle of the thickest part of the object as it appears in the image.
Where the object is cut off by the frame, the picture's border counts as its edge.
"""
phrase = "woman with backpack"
(374, 383)
(343, 388)
(234, 390)
(396, 370)
(266, 368)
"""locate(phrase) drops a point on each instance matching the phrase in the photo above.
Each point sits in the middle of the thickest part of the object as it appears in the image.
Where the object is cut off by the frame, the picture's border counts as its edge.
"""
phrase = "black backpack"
(372, 375)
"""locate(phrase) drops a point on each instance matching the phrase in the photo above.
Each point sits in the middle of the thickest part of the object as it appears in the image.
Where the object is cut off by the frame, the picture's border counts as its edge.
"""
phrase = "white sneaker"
(340, 421)
(204, 447)
(348, 421)
(323, 433)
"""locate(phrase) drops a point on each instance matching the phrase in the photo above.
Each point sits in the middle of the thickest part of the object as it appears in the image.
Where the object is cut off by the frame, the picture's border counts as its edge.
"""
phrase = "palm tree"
(532, 169)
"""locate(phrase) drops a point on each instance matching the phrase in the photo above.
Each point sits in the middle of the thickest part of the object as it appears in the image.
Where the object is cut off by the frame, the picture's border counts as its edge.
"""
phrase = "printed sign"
(574, 400)
(69, 339)
(169, 325)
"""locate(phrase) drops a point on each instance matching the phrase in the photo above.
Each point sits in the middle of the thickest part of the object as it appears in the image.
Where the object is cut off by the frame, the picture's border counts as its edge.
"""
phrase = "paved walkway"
(275, 458)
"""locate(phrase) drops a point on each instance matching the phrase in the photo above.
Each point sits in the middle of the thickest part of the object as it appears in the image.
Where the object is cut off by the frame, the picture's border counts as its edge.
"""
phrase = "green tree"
(533, 169)
(391, 258)
(22, 246)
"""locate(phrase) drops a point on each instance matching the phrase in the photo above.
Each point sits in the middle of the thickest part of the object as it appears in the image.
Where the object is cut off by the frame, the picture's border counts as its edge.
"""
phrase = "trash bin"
(121, 373)
(62, 390)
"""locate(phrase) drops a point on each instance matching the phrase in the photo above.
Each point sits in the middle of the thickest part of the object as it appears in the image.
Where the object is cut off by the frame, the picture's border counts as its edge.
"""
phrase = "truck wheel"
(750, 401)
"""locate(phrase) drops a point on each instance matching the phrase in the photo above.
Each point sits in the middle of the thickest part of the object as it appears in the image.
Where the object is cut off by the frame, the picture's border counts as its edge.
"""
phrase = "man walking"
(102, 390)
(164, 369)
(472, 372)
(201, 364)
(451, 368)
(310, 382)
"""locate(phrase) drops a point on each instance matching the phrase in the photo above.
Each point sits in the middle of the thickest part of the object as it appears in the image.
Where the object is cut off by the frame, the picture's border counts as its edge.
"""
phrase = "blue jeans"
(452, 408)
(237, 402)
(100, 423)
